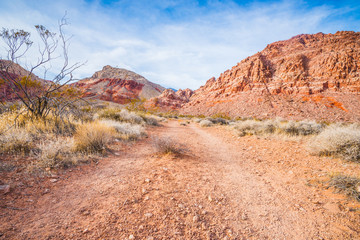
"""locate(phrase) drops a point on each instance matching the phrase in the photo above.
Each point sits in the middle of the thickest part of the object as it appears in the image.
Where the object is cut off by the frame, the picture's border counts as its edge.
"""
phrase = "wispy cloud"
(176, 43)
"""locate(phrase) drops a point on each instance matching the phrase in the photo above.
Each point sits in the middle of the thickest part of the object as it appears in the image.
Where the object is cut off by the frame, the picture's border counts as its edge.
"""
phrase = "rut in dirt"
(221, 188)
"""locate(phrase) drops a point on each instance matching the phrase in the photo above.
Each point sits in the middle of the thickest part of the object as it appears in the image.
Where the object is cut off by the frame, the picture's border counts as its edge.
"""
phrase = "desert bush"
(93, 137)
(339, 141)
(168, 146)
(277, 126)
(126, 131)
(56, 153)
(122, 115)
(15, 141)
(254, 127)
(218, 120)
(301, 128)
(347, 185)
(205, 123)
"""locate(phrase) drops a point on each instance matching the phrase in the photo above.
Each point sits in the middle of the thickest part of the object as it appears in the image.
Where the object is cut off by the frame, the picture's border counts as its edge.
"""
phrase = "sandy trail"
(222, 188)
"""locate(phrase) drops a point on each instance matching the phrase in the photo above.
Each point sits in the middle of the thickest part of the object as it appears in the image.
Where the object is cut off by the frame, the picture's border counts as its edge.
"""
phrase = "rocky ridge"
(118, 85)
(308, 76)
(170, 100)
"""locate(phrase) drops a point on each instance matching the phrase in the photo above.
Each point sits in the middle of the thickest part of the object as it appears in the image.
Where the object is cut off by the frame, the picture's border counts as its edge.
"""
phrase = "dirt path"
(223, 188)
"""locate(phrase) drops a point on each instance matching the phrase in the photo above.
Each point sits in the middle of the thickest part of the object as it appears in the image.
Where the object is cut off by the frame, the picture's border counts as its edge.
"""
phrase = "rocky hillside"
(308, 76)
(170, 100)
(118, 85)
(13, 71)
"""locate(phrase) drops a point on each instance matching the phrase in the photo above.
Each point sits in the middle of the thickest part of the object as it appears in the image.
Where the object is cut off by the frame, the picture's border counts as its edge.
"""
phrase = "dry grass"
(93, 137)
(126, 131)
(16, 141)
(205, 123)
(122, 115)
(339, 141)
(168, 146)
(57, 153)
(347, 185)
(277, 126)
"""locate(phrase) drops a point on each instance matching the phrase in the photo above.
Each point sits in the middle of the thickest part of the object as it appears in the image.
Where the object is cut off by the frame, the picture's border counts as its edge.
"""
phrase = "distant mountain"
(13, 71)
(169, 100)
(118, 85)
(310, 76)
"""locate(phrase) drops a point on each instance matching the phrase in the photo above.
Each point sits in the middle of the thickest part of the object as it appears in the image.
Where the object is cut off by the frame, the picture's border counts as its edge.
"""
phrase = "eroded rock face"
(118, 85)
(308, 76)
(170, 100)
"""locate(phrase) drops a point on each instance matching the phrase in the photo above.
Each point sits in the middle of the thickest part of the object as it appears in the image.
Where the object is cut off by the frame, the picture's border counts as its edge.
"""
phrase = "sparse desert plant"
(218, 120)
(15, 141)
(122, 115)
(339, 141)
(301, 128)
(57, 153)
(168, 145)
(126, 131)
(255, 127)
(205, 123)
(93, 137)
(348, 185)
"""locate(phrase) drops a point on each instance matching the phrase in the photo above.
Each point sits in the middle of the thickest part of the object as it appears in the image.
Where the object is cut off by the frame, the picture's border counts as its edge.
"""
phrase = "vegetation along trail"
(220, 187)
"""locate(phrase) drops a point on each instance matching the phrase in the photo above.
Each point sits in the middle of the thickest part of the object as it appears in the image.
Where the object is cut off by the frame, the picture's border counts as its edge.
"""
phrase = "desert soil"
(223, 187)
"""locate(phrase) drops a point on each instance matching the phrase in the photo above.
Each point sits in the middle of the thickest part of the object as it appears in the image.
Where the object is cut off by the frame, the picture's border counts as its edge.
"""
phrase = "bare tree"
(39, 98)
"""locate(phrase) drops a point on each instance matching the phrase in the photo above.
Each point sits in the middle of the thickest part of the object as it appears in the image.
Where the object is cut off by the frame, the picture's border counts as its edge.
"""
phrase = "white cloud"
(177, 44)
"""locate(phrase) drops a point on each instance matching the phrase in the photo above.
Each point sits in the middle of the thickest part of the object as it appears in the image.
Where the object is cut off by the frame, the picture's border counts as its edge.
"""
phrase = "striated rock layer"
(308, 76)
(169, 100)
(118, 85)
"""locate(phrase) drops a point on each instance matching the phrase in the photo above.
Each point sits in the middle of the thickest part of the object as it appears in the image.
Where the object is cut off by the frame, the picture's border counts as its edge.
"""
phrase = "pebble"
(196, 218)
(148, 215)
(53, 180)
(5, 188)
(131, 237)
(147, 180)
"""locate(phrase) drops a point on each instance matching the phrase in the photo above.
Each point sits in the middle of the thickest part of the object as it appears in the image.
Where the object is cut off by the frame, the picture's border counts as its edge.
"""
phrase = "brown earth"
(224, 187)
(118, 85)
(310, 76)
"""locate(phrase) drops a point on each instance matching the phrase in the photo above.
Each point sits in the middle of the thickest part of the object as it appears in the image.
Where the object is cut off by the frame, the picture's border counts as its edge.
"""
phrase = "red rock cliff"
(308, 76)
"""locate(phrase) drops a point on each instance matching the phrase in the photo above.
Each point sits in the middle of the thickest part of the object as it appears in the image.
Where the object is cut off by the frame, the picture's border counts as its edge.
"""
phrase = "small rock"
(131, 237)
(46, 191)
(5, 188)
(148, 215)
(86, 230)
(141, 227)
(147, 180)
(53, 180)
(144, 190)
(150, 238)
(358, 188)
(210, 198)
(181, 205)
(196, 218)
(244, 216)
(146, 198)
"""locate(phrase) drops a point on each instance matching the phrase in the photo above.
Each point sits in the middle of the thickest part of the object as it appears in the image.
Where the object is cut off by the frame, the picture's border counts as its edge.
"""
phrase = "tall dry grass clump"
(277, 126)
(93, 137)
(56, 153)
(124, 130)
(339, 141)
(122, 115)
(16, 141)
(205, 123)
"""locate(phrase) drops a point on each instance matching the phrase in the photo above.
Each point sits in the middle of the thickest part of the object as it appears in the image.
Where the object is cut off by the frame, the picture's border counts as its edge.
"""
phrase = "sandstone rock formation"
(13, 71)
(169, 100)
(308, 76)
(118, 85)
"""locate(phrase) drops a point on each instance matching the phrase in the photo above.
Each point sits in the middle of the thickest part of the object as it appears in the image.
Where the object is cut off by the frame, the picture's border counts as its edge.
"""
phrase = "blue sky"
(177, 44)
